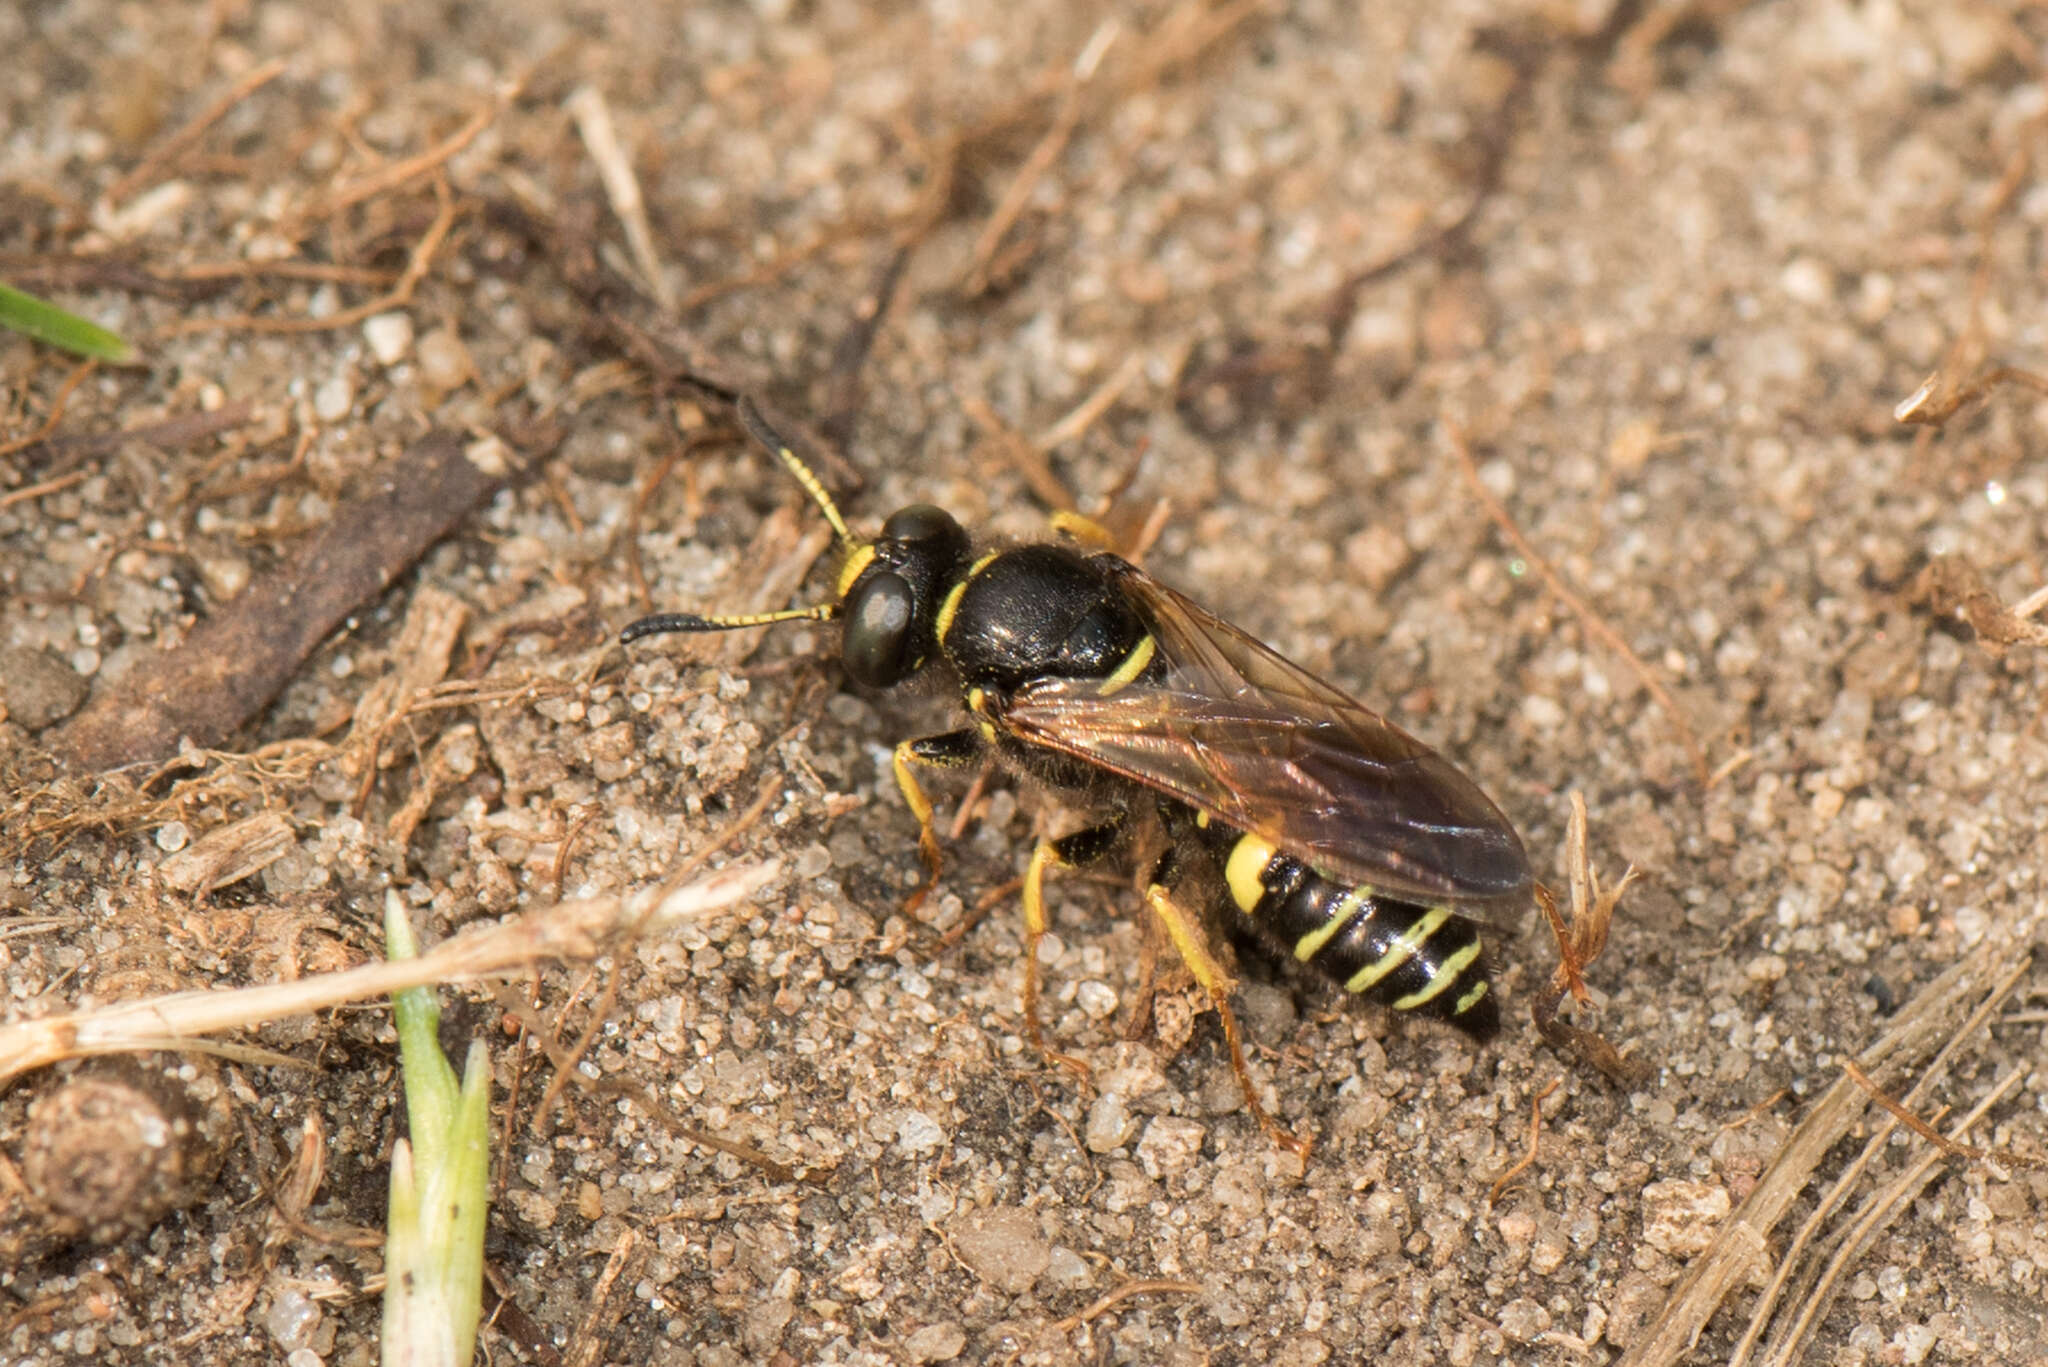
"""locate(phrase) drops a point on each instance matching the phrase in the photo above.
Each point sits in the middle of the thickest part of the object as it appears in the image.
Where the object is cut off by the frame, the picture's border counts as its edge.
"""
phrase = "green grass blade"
(440, 1183)
(46, 322)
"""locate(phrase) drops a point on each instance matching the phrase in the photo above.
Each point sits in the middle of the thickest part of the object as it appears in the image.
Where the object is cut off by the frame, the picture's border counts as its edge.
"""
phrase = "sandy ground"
(1670, 269)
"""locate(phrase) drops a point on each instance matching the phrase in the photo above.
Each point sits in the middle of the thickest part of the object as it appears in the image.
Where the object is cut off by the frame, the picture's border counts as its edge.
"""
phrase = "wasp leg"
(952, 750)
(1192, 945)
(1096, 536)
(1070, 851)
(1083, 529)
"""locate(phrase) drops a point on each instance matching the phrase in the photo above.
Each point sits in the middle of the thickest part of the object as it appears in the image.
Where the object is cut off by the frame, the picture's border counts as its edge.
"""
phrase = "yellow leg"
(927, 837)
(1193, 948)
(1042, 858)
(1083, 529)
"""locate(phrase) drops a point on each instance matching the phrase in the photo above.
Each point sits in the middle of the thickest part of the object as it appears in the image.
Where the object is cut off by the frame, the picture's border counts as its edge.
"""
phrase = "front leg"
(951, 750)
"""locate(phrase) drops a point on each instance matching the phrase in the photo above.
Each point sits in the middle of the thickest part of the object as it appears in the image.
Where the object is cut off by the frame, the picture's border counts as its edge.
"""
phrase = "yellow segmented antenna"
(758, 428)
(690, 621)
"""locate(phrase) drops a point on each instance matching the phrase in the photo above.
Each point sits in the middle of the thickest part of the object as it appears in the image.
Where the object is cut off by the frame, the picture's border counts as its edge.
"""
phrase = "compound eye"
(877, 648)
(920, 522)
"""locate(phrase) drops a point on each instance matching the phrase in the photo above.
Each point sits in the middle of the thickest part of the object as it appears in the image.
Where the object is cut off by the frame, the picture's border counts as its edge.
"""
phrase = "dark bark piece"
(235, 662)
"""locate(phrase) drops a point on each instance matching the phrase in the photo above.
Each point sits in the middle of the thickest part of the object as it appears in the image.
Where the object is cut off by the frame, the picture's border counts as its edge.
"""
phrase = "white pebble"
(1807, 281)
(1109, 1123)
(1098, 999)
(389, 336)
(332, 400)
(918, 1133)
(444, 361)
(1170, 1146)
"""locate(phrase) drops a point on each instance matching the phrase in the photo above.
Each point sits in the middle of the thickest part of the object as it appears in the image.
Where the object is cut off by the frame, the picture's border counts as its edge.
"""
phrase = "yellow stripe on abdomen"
(1244, 871)
(1311, 944)
(1441, 977)
(1399, 950)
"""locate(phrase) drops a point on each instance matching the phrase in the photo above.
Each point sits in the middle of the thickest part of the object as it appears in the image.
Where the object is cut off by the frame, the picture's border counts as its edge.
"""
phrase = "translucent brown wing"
(1237, 731)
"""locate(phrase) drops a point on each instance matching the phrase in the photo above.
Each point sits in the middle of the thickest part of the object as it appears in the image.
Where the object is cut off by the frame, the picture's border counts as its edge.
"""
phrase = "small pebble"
(935, 1342)
(1807, 281)
(1172, 1145)
(1097, 999)
(37, 688)
(1109, 1123)
(1003, 1246)
(389, 336)
(1377, 555)
(333, 399)
(1522, 1319)
(813, 862)
(224, 575)
(1069, 1268)
(291, 1319)
(917, 1133)
(444, 361)
(1679, 1217)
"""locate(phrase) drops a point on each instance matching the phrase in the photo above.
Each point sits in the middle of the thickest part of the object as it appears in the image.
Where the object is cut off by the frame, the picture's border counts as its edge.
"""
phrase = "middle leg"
(1069, 851)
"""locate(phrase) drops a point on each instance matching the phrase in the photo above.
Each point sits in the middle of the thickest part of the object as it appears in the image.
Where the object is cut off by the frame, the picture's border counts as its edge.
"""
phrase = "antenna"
(758, 428)
(690, 621)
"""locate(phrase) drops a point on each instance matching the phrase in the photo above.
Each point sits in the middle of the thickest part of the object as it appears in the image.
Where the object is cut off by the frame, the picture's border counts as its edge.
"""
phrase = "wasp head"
(890, 590)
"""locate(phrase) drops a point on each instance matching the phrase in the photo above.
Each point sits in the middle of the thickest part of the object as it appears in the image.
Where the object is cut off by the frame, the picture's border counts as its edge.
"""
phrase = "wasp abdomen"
(1402, 954)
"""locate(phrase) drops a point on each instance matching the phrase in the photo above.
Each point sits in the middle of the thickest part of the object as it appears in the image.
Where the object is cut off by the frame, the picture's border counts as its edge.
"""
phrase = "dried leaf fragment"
(1952, 586)
(228, 854)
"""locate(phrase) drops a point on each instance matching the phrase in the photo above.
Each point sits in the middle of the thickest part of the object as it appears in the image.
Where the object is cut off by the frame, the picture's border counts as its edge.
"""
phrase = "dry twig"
(1591, 620)
(1877, 1212)
(1527, 1160)
(389, 177)
(588, 1344)
(30, 492)
(398, 297)
(1948, 1147)
(570, 930)
(1011, 206)
(622, 187)
(57, 406)
(1936, 1015)
(1966, 373)
(1146, 1287)
(180, 142)
(67, 452)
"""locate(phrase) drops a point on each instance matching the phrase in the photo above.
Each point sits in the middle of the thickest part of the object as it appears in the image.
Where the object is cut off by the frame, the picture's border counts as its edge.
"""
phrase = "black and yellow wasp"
(1328, 829)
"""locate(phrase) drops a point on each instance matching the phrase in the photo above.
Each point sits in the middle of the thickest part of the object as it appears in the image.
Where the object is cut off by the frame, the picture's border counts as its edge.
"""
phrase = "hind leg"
(1192, 944)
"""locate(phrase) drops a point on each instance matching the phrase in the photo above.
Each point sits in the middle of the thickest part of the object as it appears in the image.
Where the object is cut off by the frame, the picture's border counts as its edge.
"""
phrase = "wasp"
(1325, 828)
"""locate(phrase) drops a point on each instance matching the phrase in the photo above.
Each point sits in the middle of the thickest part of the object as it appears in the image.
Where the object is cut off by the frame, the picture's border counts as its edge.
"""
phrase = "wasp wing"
(1239, 732)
